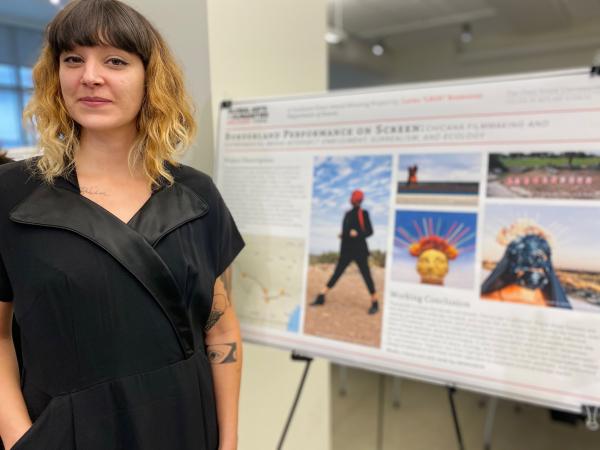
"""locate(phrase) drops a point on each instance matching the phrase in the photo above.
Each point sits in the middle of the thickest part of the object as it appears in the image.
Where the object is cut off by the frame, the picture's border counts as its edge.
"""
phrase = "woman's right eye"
(71, 59)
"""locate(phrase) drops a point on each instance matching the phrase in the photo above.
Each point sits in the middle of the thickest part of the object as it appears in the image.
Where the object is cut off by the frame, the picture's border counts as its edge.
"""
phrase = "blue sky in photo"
(406, 219)
(334, 179)
(440, 167)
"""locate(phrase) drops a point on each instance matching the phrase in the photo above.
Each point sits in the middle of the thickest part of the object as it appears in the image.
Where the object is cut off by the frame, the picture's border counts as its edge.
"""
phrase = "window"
(19, 49)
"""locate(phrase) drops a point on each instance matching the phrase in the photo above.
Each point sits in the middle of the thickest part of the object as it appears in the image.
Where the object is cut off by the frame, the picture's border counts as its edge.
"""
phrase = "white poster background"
(265, 155)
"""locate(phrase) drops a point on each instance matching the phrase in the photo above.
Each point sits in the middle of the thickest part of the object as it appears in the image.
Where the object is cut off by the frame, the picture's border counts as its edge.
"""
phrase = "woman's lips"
(94, 101)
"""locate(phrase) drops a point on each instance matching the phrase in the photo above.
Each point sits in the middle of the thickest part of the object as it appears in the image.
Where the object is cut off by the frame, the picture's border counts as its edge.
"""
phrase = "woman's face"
(103, 87)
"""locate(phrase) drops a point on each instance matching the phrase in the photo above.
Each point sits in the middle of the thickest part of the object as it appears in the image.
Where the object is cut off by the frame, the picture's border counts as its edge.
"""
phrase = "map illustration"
(267, 282)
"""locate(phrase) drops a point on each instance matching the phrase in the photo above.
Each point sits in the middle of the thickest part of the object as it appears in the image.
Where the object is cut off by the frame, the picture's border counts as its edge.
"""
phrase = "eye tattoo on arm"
(222, 353)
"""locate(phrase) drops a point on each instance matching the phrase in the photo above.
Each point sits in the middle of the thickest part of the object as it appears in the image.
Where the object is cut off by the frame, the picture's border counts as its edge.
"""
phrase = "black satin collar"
(62, 206)
(168, 207)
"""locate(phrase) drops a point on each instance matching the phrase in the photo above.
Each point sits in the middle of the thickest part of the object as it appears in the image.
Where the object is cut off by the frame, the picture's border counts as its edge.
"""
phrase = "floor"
(423, 419)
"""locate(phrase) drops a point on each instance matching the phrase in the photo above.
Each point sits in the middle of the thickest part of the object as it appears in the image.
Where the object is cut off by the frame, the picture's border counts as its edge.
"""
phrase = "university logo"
(253, 114)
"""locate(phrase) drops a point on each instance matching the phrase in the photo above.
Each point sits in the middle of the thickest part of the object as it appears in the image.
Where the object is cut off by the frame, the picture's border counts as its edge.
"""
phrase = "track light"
(335, 32)
(333, 36)
(466, 33)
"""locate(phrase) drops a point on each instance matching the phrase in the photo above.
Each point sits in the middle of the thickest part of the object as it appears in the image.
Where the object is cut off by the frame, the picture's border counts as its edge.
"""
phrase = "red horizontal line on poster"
(437, 369)
(432, 144)
(413, 118)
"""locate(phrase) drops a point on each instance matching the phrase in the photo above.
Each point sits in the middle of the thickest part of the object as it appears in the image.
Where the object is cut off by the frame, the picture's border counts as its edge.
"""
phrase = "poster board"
(484, 200)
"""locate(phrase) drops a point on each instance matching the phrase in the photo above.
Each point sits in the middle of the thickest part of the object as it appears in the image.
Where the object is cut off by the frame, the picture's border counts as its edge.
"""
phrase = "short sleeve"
(6, 293)
(229, 242)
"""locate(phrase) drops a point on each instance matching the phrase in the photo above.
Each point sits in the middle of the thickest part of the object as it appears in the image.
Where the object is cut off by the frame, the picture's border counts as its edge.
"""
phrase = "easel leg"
(489, 423)
(396, 383)
(381, 412)
(451, 392)
(343, 381)
(307, 360)
(591, 420)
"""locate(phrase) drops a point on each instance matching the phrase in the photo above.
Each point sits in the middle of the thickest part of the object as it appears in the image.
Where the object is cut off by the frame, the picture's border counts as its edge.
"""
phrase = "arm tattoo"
(220, 304)
(213, 318)
(221, 300)
(222, 353)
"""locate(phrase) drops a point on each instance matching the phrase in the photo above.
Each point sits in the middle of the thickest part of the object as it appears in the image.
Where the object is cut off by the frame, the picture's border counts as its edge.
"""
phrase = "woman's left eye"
(117, 62)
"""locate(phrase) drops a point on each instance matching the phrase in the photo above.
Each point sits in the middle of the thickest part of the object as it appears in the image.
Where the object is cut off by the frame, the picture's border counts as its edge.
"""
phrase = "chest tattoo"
(92, 190)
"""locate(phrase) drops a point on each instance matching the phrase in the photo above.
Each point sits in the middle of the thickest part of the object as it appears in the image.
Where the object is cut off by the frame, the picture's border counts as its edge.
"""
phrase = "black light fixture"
(595, 69)
(466, 33)
(335, 33)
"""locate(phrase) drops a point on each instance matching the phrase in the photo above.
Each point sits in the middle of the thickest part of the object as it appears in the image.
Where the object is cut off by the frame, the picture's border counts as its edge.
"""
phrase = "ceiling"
(377, 19)
(403, 22)
(372, 19)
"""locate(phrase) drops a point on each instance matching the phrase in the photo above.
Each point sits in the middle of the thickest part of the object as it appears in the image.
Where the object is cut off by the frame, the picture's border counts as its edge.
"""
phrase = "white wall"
(184, 24)
(267, 47)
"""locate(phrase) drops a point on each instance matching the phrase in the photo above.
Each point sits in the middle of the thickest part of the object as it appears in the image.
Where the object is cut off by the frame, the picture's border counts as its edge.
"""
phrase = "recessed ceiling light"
(378, 49)
(55, 2)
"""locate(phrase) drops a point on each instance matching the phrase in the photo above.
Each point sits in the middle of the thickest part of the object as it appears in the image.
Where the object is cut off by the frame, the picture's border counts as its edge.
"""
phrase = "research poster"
(448, 233)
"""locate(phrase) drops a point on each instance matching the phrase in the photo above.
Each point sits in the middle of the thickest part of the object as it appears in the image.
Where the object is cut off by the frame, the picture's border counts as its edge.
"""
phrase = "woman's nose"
(91, 75)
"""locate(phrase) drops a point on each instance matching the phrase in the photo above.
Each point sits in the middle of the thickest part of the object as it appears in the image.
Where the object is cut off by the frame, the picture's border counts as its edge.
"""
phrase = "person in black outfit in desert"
(356, 229)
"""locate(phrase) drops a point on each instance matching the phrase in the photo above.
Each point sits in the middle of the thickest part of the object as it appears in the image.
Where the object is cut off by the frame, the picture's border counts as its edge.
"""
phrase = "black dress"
(112, 314)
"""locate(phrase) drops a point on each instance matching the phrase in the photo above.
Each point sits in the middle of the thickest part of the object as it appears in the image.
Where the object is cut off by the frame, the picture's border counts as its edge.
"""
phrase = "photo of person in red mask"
(347, 248)
(356, 228)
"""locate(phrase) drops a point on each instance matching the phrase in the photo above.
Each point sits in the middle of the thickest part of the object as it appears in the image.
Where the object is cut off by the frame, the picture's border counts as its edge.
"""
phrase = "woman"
(356, 228)
(112, 254)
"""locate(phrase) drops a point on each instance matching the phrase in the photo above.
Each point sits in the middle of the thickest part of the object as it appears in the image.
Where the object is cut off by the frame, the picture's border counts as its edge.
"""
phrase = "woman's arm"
(14, 418)
(224, 349)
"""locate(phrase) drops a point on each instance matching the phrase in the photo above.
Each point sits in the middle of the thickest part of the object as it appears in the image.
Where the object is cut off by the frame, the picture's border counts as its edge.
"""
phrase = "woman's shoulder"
(16, 176)
(199, 182)
(12, 169)
(17, 181)
(188, 175)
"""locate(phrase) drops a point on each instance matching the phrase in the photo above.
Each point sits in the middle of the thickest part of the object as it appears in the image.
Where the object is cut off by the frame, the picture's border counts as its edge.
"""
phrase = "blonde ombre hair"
(165, 122)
